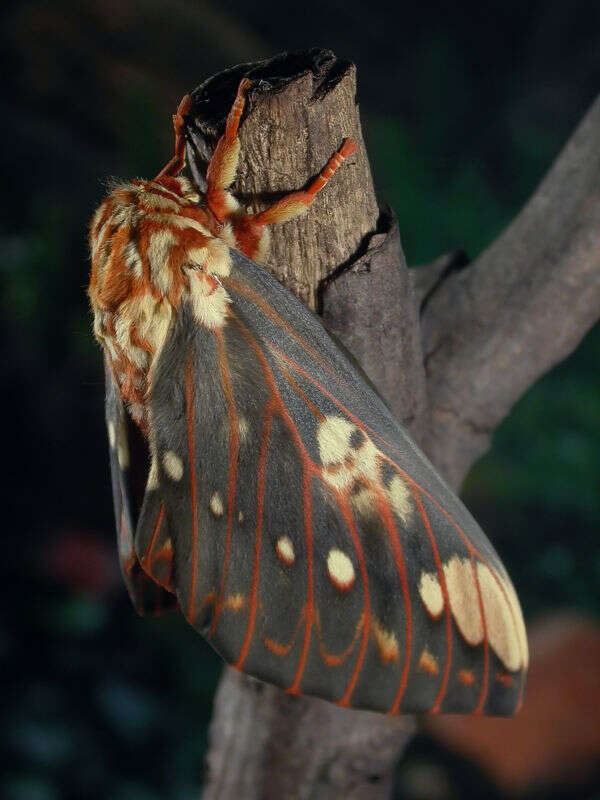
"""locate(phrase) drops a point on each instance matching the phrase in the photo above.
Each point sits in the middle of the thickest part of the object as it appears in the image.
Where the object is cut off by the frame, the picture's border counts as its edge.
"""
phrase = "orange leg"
(296, 203)
(176, 164)
(223, 164)
(249, 229)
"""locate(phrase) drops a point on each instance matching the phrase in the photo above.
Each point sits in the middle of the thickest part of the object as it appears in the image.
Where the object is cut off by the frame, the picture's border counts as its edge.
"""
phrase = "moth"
(280, 507)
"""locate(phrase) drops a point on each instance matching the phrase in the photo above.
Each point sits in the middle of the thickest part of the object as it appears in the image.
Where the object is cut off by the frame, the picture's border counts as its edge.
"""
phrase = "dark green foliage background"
(464, 110)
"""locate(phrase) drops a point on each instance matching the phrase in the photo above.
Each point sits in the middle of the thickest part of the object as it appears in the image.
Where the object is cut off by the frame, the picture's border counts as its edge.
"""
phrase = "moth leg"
(177, 163)
(223, 164)
(296, 203)
(249, 228)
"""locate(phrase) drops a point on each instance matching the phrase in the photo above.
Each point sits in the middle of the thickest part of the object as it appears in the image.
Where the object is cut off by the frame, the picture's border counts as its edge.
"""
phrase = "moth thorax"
(151, 251)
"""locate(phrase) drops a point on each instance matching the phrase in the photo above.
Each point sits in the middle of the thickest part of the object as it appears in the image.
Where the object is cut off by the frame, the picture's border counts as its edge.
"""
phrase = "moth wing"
(313, 543)
(147, 597)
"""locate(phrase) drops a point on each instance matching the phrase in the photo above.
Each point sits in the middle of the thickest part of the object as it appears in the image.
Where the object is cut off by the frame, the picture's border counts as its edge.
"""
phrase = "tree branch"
(490, 330)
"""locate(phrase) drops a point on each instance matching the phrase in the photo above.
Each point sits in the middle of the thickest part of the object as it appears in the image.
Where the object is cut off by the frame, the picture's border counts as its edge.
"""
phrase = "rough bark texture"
(449, 346)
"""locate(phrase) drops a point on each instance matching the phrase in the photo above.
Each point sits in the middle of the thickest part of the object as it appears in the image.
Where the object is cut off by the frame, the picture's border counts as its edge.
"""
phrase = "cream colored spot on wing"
(431, 594)
(340, 570)
(364, 502)
(216, 504)
(159, 248)
(173, 465)
(518, 621)
(209, 302)
(464, 599)
(243, 427)
(285, 550)
(366, 461)
(342, 463)
(241, 517)
(428, 663)
(386, 641)
(401, 498)
(333, 438)
(122, 446)
(112, 435)
(500, 626)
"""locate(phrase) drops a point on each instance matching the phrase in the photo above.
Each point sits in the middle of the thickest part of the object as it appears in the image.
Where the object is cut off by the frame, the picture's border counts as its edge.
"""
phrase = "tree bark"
(450, 347)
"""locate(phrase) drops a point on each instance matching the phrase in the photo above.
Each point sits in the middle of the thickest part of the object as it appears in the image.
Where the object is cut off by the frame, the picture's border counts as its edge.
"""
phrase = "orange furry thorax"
(152, 245)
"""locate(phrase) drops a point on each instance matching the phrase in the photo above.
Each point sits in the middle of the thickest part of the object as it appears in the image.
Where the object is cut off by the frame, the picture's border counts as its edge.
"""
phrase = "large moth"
(282, 508)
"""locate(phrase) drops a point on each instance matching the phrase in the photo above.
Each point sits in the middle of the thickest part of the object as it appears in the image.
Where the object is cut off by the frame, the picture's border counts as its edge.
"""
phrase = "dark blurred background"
(464, 108)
